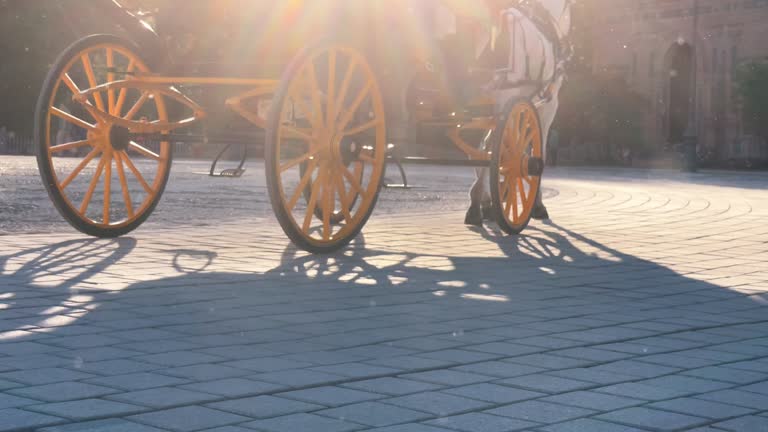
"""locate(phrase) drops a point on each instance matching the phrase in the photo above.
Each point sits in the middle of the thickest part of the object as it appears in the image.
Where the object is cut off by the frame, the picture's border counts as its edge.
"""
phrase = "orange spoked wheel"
(103, 182)
(326, 147)
(516, 165)
(357, 168)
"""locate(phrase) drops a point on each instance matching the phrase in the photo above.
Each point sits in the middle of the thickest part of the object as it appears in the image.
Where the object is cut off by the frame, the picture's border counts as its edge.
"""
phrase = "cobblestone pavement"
(194, 198)
(642, 306)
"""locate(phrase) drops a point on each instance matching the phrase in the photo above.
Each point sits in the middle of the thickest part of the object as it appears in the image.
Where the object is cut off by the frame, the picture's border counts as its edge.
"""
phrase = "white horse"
(533, 56)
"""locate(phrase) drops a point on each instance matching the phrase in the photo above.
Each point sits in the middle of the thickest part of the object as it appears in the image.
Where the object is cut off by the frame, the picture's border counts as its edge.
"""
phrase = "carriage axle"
(535, 165)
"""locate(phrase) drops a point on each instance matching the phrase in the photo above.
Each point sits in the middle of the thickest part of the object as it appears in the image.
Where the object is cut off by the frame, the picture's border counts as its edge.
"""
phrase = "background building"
(682, 56)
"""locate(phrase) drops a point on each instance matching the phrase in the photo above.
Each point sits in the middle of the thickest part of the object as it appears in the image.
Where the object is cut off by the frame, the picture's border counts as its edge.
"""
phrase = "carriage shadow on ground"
(45, 290)
(390, 311)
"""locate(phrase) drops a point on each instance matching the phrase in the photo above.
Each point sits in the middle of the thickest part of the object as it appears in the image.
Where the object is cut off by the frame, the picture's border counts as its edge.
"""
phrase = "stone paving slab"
(642, 306)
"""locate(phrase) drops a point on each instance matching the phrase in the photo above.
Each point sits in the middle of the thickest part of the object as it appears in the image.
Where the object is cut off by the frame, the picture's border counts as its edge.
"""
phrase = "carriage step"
(230, 172)
(535, 167)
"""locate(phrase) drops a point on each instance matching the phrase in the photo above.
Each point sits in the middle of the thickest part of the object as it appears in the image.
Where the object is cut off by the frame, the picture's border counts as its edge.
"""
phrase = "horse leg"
(479, 196)
(486, 205)
(539, 211)
(474, 214)
(547, 115)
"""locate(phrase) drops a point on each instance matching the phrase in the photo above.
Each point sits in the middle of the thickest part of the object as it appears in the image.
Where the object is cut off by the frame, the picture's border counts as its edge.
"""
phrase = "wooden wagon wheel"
(326, 141)
(516, 165)
(109, 184)
(358, 170)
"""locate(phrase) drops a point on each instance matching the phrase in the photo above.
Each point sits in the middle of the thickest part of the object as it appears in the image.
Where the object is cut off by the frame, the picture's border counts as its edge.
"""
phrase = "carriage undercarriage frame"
(326, 123)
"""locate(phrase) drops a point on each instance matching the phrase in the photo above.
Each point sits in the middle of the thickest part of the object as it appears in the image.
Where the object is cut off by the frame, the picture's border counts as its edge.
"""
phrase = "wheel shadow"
(48, 288)
(191, 261)
(544, 257)
(356, 297)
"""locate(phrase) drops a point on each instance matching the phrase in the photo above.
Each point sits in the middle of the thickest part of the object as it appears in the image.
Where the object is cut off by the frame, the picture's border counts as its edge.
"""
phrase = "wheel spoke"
(136, 173)
(534, 136)
(348, 114)
(512, 198)
(353, 182)
(523, 198)
(515, 136)
(513, 133)
(331, 96)
(143, 150)
(346, 204)
(302, 106)
(107, 188)
(363, 127)
(504, 195)
(137, 106)
(528, 131)
(124, 185)
(295, 133)
(123, 91)
(70, 84)
(70, 145)
(73, 87)
(88, 158)
(86, 60)
(529, 137)
(313, 201)
(302, 184)
(92, 187)
(344, 87)
(522, 136)
(71, 119)
(314, 89)
(111, 78)
(328, 200)
(293, 162)
(358, 172)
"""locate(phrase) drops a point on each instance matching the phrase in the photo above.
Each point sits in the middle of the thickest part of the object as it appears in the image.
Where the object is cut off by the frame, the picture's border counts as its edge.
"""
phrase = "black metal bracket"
(404, 184)
(399, 161)
(227, 139)
(468, 163)
(230, 172)
(394, 157)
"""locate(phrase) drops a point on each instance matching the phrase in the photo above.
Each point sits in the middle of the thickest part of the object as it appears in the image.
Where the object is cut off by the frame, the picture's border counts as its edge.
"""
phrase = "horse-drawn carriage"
(325, 116)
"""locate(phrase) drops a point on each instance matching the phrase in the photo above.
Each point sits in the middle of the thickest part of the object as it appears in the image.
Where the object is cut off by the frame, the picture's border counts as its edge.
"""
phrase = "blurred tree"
(604, 110)
(622, 113)
(752, 89)
(27, 48)
(32, 35)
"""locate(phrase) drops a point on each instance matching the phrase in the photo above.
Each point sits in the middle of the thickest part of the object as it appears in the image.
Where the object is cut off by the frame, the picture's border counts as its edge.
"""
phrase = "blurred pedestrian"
(3, 140)
(553, 146)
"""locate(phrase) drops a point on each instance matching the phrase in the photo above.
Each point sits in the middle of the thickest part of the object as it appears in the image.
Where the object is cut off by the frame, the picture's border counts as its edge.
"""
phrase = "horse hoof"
(487, 212)
(540, 213)
(474, 216)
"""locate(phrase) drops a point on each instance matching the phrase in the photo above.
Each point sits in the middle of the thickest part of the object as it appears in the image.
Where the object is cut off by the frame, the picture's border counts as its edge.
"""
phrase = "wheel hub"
(341, 151)
(119, 138)
(535, 166)
(349, 150)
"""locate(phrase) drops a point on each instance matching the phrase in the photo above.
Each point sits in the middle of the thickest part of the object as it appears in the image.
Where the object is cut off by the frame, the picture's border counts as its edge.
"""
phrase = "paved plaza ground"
(641, 306)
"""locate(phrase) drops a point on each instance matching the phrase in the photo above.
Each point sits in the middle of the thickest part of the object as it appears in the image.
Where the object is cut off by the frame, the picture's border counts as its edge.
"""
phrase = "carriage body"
(313, 74)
